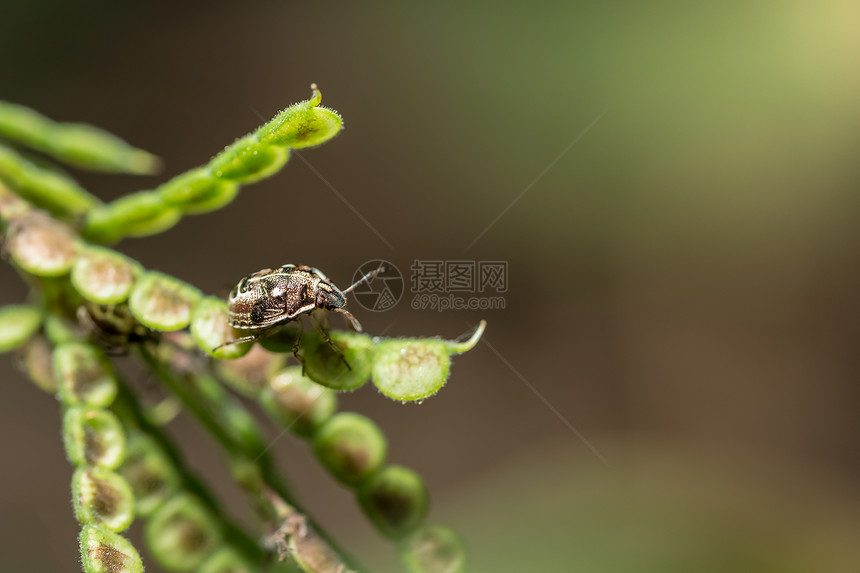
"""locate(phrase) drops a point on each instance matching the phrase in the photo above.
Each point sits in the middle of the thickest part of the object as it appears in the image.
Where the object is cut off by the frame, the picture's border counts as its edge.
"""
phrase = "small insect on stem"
(271, 298)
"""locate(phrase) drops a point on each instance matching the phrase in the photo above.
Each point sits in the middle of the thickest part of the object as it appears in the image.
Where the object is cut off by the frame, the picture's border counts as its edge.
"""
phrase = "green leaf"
(18, 323)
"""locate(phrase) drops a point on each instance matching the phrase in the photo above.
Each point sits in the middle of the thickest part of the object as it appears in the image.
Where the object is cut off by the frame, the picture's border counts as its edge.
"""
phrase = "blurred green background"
(683, 280)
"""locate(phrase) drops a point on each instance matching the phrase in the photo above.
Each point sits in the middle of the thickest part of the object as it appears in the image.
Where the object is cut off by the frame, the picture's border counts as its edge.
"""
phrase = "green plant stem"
(128, 409)
(204, 401)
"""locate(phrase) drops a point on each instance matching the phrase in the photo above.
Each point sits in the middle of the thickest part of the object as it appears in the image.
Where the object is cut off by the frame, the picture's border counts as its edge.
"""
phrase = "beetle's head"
(329, 297)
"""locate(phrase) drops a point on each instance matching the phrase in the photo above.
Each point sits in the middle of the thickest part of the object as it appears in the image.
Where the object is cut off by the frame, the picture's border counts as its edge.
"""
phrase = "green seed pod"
(17, 324)
(92, 148)
(138, 214)
(226, 560)
(60, 330)
(11, 206)
(196, 191)
(103, 551)
(211, 331)
(149, 472)
(46, 189)
(301, 125)
(325, 366)
(104, 276)
(181, 534)
(280, 341)
(41, 246)
(414, 369)
(93, 437)
(298, 403)
(102, 497)
(84, 376)
(37, 361)
(161, 302)
(395, 499)
(249, 374)
(350, 446)
(78, 144)
(434, 549)
(248, 160)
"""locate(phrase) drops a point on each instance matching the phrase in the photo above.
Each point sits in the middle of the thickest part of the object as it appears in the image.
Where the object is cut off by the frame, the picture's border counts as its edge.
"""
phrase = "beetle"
(273, 297)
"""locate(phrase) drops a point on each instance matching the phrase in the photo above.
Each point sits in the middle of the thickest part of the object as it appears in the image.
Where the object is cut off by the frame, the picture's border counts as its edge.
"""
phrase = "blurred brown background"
(683, 281)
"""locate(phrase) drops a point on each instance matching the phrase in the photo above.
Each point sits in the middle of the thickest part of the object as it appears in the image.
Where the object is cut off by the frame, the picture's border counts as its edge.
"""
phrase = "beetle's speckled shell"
(274, 296)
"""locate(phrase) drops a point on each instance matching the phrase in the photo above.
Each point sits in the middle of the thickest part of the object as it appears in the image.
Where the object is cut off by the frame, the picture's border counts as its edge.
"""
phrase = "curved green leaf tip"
(412, 369)
(17, 324)
(304, 124)
(103, 551)
(434, 549)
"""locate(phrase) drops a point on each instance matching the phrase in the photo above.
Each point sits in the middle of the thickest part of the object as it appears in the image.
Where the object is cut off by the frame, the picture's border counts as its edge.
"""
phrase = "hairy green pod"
(410, 369)
(395, 499)
(18, 323)
(226, 560)
(434, 549)
(149, 472)
(45, 189)
(302, 125)
(181, 534)
(103, 551)
(249, 374)
(248, 160)
(79, 144)
(139, 214)
(325, 366)
(37, 361)
(350, 446)
(161, 302)
(196, 191)
(93, 437)
(104, 276)
(41, 246)
(102, 497)
(298, 403)
(84, 376)
(211, 330)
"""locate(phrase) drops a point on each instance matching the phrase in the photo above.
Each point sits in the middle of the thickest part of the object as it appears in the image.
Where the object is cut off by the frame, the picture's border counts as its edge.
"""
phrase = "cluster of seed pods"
(122, 469)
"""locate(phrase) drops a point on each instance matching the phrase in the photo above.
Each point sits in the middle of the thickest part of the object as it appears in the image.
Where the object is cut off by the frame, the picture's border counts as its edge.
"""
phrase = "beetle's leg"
(349, 319)
(296, 344)
(237, 341)
(330, 342)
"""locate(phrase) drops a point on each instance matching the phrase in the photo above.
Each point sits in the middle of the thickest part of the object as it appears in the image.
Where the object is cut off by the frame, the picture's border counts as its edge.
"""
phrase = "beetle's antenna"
(365, 278)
